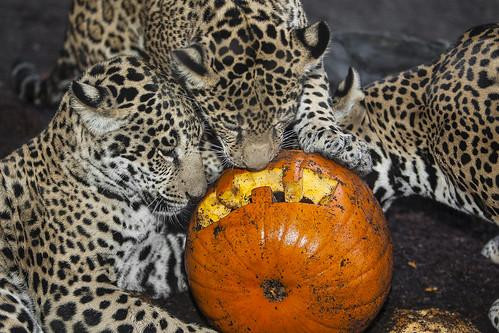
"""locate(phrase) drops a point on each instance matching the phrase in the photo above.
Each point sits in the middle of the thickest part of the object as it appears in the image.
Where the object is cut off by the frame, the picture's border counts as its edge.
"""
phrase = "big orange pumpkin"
(301, 246)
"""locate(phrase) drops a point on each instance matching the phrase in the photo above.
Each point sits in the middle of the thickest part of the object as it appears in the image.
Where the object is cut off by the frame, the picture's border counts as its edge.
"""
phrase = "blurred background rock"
(382, 37)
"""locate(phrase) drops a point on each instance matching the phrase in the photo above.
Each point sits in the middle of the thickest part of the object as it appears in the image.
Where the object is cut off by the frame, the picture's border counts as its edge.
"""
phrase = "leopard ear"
(314, 38)
(348, 94)
(88, 95)
(350, 85)
(190, 64)
(94, 104)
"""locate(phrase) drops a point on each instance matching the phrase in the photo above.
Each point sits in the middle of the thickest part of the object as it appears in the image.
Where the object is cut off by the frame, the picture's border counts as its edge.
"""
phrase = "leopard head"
(137, 136)
(246, 76)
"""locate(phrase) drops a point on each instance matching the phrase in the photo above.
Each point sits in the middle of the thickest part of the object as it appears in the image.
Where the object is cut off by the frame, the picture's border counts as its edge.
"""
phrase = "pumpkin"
(301, 246)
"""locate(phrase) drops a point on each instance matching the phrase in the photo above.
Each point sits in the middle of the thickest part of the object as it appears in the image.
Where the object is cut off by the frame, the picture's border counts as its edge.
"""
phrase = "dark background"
(378, 38)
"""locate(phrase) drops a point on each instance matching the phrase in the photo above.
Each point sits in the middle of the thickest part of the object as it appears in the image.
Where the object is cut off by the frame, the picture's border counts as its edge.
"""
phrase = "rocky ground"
(437, 250)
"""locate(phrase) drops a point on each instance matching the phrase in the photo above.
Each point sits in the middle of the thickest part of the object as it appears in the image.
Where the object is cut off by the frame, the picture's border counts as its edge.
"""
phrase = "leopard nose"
(193, 199)
(257, 155)
(192, 175)
(197, 189)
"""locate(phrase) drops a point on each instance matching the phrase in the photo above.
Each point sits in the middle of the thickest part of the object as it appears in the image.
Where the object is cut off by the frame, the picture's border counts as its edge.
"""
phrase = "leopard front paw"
(343, 148)
(154, 266)
(491, 250)
(494, 314)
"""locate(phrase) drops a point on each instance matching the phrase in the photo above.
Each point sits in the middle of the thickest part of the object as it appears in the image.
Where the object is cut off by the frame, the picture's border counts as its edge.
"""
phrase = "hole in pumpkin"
(274, 290)
(278, 197)
(218, 229)
(306, 200)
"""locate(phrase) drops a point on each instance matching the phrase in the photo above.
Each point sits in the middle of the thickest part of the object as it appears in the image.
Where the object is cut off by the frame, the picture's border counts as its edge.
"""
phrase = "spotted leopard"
(83, 201)
(434, 130)
(254, 68)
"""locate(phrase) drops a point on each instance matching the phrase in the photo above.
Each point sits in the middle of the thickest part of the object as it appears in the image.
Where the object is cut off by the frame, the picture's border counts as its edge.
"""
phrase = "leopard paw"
(343, 148)
(491, 250)
(154, 267)
(494, 314)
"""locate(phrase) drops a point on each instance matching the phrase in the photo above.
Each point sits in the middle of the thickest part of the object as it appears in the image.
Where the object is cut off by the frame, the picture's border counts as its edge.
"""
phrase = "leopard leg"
(16, 307)
(38, 89)
(97, 30)
(491, 250)
(155, 266)
(34, 88)
(98, 306)
(494, 314)
(317, 129)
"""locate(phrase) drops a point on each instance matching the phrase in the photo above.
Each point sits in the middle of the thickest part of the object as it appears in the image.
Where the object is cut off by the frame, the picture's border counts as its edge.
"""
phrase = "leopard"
(115, 165)
(254, 68)
(433, 130)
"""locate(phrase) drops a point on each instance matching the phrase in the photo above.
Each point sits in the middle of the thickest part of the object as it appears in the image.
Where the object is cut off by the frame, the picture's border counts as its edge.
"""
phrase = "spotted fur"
(434, 130)
(91, 197)
(253, 67)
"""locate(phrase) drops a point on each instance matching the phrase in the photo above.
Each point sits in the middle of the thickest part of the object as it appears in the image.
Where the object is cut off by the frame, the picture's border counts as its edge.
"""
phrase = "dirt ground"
(444, 244)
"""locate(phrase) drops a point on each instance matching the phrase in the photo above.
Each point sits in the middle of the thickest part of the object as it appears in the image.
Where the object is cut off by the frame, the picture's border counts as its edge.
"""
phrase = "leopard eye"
(285, 119)
(168, 155)
(234, 130)
(233, 127)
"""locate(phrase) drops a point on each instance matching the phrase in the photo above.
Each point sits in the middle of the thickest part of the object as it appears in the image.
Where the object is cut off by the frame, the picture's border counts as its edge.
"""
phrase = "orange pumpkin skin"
(293, 266)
